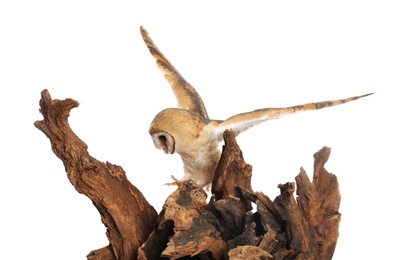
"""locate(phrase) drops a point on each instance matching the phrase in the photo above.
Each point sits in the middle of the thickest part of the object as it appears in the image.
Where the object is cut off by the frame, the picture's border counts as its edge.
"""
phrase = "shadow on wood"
(189, 227)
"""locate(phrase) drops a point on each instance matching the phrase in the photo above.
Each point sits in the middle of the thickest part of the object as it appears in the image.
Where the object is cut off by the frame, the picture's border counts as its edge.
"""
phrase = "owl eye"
(162, 138)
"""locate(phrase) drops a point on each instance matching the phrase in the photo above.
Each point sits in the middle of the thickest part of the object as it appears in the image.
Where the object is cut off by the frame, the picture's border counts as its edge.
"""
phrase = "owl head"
(171, 128)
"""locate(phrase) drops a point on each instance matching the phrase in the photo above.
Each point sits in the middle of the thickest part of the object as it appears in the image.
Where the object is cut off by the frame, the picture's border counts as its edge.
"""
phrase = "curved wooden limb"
(125, 212)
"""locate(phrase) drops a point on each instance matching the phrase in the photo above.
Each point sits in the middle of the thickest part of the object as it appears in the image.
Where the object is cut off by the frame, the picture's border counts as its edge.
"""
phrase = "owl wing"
(185, 94)
(242, 122)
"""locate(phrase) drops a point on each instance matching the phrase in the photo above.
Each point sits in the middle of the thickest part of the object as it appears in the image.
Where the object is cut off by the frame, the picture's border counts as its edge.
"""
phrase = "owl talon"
(176, 182)
(188, 183)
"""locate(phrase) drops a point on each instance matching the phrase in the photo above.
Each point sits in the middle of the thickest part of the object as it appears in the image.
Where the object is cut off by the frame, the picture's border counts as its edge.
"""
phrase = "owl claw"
(176, 182)
(187, 183)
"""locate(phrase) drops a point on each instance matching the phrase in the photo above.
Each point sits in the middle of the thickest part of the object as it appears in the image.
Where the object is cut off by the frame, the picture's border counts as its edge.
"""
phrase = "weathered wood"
(231, 216)
(296, 229)
(128, 216)
(269, 213)
(193, 231)
(247, 237)
(305, 227)
(233, 174)
(102, 253)
(248, 252)
(319, 202)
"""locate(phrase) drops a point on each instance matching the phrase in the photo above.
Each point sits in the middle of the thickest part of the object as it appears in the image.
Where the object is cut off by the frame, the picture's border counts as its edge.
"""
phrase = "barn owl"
(188, 130)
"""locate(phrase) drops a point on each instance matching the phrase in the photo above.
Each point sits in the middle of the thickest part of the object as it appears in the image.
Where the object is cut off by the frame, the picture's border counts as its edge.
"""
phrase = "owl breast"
(200, 159)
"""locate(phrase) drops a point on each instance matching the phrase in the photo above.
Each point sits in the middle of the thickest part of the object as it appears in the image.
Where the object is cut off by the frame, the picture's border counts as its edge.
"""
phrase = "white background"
(239, 57)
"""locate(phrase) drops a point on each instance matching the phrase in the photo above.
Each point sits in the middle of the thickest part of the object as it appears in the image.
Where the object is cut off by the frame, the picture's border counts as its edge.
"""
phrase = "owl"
(188, 131)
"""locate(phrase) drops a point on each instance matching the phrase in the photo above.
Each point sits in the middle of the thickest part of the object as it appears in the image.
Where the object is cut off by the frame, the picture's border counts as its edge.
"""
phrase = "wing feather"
(243, 121)
(186, 96)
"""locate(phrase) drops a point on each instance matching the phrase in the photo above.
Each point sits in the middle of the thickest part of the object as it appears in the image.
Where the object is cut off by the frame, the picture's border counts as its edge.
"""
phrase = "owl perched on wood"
(188, 131)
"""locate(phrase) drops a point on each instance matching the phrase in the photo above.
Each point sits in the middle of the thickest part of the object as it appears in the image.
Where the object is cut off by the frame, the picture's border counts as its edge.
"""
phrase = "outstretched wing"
(185, 94)
(242, 122)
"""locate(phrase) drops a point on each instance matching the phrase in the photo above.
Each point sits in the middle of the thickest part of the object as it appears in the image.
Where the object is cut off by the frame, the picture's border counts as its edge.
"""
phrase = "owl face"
(164, 141)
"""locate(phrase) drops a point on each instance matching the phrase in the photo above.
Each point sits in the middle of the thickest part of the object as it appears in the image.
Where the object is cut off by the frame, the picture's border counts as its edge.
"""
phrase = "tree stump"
(189, 227)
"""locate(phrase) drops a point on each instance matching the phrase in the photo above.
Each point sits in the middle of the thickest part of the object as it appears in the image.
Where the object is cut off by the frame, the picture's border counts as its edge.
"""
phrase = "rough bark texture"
(190, 228)
(127, 215)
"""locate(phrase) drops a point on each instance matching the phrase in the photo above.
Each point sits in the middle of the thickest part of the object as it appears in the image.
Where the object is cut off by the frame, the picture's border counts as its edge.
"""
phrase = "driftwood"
(188, 226)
